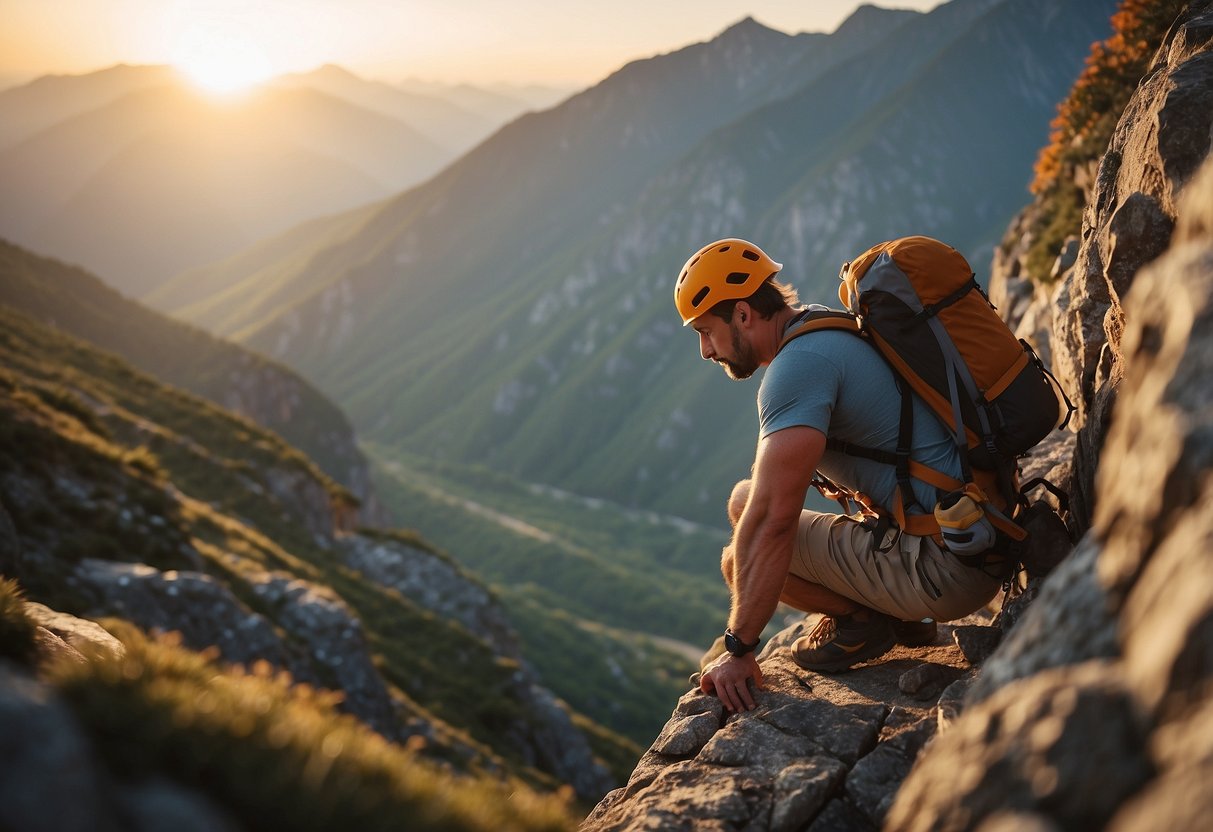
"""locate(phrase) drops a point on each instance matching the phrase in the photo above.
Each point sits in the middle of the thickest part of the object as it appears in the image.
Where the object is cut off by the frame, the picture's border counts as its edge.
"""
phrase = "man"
(824, 383)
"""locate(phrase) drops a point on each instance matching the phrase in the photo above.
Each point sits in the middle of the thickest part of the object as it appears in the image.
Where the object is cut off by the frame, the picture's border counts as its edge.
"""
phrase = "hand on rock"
(728, 677)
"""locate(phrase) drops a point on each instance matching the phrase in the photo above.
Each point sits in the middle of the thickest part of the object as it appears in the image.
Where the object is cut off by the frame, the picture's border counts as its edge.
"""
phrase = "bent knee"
(737, 500)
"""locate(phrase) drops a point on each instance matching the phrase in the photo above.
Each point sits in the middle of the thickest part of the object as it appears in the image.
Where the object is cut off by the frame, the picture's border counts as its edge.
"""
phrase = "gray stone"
(50, 648)
(1063, 743)
(977, 642)
(873, 782)
(1070, 621)
(164, 806)
(49, 780)
(202, 609)
(683, 736)
(748, 741)
(86, 637)
(951, 702)
(840, 816)
(434, 582)
(845, 732)
(801, 790)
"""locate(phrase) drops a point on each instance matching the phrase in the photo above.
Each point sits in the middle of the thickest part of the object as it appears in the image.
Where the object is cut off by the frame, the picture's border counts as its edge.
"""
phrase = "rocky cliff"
(1093, 708)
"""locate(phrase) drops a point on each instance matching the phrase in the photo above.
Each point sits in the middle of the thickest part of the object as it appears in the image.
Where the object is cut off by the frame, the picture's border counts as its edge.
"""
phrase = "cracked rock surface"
(819, 751)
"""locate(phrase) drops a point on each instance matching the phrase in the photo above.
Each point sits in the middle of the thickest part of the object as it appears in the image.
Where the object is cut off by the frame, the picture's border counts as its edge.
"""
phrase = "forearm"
(762, 550)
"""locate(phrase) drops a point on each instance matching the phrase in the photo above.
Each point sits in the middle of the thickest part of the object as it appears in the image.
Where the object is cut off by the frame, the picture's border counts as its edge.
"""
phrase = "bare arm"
(766, 532)
(762, 550)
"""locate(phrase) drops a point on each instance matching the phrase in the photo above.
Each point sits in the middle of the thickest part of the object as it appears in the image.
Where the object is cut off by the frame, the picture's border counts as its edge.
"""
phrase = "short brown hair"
(769, 298)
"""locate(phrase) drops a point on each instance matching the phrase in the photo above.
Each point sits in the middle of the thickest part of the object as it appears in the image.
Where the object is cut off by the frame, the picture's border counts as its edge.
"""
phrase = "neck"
(778, 323)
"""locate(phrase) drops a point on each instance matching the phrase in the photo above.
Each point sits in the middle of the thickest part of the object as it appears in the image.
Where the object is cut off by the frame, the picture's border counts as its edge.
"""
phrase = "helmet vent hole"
(750, 255)
(723, 249)
(682, 279)
(699, 296)
(737, 278)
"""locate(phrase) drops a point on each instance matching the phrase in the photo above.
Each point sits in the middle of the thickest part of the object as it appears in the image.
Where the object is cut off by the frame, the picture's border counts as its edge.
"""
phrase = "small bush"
(16, 630)
(1087, 118)
(143, 460)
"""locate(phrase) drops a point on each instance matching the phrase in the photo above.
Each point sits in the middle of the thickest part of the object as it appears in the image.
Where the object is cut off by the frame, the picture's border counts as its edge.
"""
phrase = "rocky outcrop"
(1093, 703)
(1125, 739)
(819, 752)
(435, 582)
(545, 737)
(1161, 140)
(323, 645)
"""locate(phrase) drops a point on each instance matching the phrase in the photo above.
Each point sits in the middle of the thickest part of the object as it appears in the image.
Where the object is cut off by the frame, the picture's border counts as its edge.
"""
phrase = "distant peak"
(868, 14)
(747, 27)
(332, 71)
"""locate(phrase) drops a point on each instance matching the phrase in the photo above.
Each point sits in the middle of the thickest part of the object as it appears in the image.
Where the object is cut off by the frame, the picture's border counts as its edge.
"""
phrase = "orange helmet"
(724, 270)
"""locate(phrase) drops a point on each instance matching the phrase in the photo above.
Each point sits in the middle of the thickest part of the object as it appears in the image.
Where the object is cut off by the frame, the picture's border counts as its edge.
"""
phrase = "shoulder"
(827, 345)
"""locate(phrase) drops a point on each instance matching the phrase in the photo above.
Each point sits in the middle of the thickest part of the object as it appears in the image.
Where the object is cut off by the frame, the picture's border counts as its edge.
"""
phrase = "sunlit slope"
(76, 302)
(515, 310)
(258, 281)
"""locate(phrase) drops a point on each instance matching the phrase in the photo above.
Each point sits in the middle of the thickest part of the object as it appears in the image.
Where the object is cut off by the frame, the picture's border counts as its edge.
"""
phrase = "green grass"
(274, 757)
(152, 473)
(620, 569)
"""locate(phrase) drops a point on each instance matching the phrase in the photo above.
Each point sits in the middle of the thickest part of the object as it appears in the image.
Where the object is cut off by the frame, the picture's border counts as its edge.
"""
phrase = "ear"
(744, 313)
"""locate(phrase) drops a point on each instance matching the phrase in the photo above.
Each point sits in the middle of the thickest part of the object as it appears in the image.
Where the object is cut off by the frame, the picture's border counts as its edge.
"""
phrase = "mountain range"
(136, 175)
(513, 311)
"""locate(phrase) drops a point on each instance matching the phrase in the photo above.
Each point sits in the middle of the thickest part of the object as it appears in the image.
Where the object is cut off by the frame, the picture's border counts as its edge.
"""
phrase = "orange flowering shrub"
(1087, 117)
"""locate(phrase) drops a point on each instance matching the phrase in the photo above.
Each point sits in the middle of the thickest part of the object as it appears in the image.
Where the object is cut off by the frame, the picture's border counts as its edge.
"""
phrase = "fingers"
(728, 683)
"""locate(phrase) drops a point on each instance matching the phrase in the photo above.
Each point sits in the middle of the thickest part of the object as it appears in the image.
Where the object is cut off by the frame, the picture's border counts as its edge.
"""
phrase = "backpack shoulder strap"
(814, 320)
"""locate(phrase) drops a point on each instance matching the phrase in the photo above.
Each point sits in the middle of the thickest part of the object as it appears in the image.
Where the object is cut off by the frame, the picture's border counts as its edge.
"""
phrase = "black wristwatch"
(736, 646)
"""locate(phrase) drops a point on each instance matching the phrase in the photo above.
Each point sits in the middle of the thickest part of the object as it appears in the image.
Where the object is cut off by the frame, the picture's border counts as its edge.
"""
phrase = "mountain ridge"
(580, 314)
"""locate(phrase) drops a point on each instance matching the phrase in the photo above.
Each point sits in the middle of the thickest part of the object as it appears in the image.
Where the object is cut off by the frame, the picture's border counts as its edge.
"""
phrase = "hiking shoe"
(841, 641)
(915, 633)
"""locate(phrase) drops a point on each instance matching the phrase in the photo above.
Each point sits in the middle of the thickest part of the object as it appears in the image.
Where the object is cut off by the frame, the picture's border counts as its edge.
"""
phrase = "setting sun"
(221, 64)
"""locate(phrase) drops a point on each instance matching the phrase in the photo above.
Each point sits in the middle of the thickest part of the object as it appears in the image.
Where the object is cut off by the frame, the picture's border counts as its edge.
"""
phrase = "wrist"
(738, 647)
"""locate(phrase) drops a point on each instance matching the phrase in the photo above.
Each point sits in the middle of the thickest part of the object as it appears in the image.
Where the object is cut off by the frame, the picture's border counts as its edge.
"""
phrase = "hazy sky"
(570, 42)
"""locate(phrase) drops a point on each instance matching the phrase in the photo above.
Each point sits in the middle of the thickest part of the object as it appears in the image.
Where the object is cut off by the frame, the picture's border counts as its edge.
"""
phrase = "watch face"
(736, 646)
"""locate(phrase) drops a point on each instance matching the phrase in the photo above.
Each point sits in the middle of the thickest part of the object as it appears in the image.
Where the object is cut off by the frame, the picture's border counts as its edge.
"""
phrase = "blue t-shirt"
(840, 385)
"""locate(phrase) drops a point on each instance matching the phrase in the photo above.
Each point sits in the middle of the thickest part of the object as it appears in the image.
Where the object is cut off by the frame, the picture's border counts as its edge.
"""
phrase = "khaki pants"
(912, 580)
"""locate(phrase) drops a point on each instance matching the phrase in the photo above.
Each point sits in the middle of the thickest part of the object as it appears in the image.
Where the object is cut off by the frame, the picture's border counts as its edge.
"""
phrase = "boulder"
(49, 779)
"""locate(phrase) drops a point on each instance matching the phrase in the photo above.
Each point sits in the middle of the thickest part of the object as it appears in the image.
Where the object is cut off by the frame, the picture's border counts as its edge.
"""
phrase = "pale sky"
(575, 42)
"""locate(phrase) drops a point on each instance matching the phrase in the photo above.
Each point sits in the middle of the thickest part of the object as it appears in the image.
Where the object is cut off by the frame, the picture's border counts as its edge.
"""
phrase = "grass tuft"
(17, 631)
(274, 756)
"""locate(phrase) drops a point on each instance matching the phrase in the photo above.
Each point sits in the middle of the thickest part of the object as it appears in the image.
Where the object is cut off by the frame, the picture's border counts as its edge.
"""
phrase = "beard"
(743, 364)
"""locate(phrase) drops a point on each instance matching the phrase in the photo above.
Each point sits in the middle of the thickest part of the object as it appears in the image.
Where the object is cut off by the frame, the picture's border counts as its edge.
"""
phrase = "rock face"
(546, 736)
(1122, 740)
(819, 752)
(434, 582)
(1095, 708)
(1160, 142)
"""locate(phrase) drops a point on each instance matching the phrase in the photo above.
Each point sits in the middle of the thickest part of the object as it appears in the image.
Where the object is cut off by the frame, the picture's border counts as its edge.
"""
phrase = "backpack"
(918, 302)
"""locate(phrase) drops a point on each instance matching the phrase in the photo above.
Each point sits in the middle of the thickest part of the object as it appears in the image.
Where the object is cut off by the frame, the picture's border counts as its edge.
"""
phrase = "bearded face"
(742, 364)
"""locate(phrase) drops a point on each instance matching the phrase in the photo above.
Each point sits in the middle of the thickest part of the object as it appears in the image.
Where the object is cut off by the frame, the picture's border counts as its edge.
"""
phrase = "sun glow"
(221, 64)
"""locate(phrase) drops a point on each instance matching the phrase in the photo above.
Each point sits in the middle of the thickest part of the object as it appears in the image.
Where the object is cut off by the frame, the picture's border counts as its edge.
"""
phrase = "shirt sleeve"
(799, 388)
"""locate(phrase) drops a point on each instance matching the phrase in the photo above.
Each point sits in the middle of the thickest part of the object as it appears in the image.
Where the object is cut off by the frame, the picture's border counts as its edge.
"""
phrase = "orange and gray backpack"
(918, 302)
